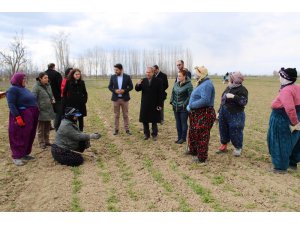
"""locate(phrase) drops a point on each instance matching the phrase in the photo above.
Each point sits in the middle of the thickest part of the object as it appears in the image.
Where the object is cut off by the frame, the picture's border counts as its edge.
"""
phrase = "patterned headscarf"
(17, 79)
(236, 79)
(287, 76)
(201, 73)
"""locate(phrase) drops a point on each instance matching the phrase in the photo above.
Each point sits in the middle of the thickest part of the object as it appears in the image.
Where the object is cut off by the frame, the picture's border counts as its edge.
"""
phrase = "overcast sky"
(254, 43)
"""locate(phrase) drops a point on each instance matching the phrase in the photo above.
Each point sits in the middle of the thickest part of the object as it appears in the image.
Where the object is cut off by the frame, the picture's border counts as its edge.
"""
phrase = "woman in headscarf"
(284, 126)
(23, 119)
(231, 114)
(202, 115)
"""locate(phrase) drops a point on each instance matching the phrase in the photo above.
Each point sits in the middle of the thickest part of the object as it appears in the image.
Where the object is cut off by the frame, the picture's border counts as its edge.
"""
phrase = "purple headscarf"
(236, 78)
(17, 79)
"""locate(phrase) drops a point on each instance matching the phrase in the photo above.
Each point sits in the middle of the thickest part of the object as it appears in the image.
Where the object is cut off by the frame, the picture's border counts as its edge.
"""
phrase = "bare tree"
(30, 69)
(189, 58)
(134, 61)
(99, 60)
(62, 50)
(16, 56)
(89, 61)
(81, 64)
(103, 62)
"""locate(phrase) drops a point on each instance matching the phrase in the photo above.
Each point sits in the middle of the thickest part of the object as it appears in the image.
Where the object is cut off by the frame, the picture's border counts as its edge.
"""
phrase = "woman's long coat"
(44, 97)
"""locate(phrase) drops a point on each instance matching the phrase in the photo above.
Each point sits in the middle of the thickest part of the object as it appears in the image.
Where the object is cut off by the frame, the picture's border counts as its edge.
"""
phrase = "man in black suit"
(120, 85)
(165, 83)
(151, 102)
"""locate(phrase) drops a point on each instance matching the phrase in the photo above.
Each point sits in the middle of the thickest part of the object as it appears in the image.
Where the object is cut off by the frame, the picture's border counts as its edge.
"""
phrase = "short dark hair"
(119, 66)
(181, 61)
(68, 71)
(156, 67)
(51, 65)
(41, 75)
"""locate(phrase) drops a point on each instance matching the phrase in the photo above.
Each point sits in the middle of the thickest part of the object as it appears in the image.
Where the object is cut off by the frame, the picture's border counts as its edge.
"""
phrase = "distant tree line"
(95, 61)
(98, 61)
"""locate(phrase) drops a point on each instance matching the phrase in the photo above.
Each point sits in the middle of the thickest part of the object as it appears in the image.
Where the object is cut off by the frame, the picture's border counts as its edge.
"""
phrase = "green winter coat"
(181, 95)
(68, 135)
(44, 101)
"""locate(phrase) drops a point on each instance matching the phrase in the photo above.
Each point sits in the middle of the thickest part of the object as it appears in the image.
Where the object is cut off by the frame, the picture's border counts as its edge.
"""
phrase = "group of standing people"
(196, 104)
(32, 111)
(64, 100)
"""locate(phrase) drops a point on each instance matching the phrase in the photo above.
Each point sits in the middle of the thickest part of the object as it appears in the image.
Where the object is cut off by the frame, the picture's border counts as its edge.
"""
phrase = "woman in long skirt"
(23, 119)
(283, 142)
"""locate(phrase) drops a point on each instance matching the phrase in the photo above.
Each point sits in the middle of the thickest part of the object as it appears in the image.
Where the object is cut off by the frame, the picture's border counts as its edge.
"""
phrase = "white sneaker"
(237, 152)
(18, 162)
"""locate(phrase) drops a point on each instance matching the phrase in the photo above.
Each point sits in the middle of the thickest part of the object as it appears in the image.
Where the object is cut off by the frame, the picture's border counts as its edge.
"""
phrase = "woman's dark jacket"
(75, 95)
(236, 104)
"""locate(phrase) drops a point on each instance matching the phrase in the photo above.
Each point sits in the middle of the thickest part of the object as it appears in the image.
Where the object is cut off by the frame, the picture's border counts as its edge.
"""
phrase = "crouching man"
(69, 140)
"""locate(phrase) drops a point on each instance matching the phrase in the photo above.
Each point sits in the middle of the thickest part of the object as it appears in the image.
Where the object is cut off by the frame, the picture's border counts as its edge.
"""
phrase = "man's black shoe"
(180, 141)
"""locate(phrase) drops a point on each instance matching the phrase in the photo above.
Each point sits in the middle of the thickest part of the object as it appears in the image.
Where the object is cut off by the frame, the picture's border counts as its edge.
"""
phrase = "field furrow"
(131, 174)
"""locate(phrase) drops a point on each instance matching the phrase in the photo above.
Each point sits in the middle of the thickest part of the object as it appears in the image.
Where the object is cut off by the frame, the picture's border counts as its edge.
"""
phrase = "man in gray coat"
(69, 140)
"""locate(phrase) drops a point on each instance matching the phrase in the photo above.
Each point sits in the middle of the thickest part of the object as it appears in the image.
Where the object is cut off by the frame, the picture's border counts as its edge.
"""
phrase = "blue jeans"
(181, 124)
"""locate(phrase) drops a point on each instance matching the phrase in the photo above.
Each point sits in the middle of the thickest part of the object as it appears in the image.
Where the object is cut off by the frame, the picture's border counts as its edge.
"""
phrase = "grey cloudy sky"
(254, 43)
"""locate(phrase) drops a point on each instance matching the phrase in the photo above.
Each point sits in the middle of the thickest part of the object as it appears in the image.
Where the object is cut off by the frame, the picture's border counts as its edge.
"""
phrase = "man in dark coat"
(120, 85)
(55, 79)
(151, 102)
(165, 83)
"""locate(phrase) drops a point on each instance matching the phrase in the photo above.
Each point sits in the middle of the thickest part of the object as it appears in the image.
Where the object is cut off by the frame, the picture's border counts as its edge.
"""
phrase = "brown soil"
(131, 174)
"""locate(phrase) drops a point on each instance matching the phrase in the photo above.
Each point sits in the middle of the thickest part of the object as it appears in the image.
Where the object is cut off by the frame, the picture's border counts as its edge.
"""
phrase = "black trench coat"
(152, 96)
